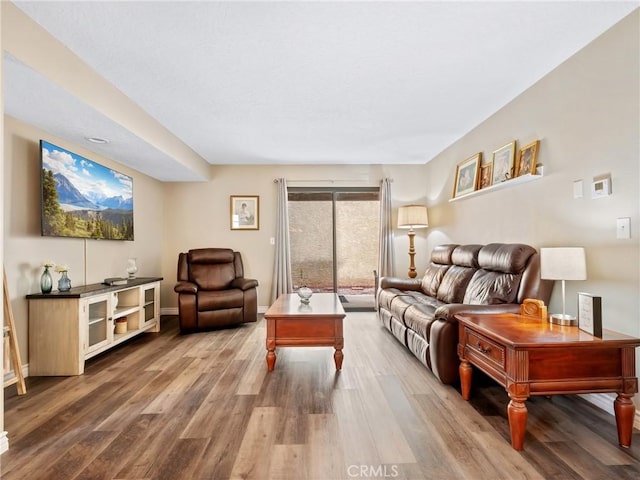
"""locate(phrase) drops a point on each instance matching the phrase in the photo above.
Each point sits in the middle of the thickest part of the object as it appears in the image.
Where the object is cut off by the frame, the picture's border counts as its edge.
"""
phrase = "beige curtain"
(385, 253)
(282, 282)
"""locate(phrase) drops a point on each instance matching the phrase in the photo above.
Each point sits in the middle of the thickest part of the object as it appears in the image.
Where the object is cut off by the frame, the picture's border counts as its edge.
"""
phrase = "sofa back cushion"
(454, 284)
(491, 288)
(498, 279)
(465, 262)
(505, 257)
(440, 263)
(466, 255)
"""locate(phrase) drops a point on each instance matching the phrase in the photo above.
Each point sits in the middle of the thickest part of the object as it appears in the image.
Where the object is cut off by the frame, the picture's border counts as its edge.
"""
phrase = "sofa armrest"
(186, 287)
(448, 312)
(244, 283)
(401, 283)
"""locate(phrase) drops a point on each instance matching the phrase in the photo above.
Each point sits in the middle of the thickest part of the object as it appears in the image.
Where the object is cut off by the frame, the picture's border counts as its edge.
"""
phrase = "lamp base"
(560, 319)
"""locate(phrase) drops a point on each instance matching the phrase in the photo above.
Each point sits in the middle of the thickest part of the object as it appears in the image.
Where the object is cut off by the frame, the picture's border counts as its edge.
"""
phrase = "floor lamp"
(563, 263)
(412, 217)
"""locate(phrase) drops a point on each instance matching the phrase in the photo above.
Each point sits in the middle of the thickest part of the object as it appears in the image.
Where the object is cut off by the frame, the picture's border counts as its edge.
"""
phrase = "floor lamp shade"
(411, 217)
(563, 263)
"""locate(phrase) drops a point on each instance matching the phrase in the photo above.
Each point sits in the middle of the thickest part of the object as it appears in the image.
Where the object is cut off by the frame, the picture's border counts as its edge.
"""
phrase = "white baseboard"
(11, 375)
(4, 442)
(604, 401)
(174, 310)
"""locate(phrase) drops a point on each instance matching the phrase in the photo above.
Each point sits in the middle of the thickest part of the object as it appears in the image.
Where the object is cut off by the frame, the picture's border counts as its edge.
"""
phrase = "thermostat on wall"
(601, 186)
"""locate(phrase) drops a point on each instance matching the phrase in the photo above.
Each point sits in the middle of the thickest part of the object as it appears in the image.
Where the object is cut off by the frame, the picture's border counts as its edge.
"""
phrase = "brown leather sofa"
(492, 278)
(212, 290)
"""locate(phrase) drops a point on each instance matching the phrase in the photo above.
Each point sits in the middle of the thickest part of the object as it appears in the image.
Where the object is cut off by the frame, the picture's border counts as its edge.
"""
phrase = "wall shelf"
(499, 186)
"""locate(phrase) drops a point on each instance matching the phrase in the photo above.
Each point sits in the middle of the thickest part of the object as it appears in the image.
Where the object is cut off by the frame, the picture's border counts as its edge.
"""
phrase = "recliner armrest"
(186, 287)
(448, 312)
(401, 283)
(244, 283)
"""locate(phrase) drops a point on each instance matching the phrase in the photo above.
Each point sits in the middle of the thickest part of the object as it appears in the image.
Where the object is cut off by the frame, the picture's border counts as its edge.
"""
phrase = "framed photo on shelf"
(503, 163)
(590, 314)
(245, 212)
(527, 157)
(485, 175)
(467, 175)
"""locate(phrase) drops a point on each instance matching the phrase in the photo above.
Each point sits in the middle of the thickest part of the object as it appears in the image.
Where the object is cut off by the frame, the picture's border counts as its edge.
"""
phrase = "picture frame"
(590, 314)
(467, 175)
(527, 158)
(503, 163)
(244, 212)
(484, 180)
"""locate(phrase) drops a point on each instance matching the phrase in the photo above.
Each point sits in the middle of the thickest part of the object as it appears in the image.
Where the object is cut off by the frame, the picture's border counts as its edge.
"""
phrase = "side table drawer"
(488, 349)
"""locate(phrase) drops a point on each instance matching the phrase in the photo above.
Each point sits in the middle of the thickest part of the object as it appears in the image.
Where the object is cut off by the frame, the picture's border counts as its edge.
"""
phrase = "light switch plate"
(577, 189)
(623, 228)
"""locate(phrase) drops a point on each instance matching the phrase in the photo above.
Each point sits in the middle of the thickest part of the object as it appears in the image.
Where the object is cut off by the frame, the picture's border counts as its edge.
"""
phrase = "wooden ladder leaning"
(10, 330)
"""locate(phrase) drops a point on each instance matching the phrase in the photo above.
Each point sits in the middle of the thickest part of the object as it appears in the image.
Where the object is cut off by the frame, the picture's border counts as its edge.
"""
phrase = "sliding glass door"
(334, 239)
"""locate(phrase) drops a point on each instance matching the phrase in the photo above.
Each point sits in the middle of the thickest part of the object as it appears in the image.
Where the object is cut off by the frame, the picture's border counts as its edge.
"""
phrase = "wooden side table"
(529, 356)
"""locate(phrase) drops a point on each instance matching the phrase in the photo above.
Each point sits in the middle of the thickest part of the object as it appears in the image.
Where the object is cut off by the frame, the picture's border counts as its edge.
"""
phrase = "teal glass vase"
(46, 282)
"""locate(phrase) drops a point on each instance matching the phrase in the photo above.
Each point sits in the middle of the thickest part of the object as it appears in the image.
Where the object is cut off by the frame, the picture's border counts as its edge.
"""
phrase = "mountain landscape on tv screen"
(81, 198)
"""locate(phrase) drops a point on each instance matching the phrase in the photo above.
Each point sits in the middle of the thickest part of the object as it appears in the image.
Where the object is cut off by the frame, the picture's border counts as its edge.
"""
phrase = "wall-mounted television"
(83, 199)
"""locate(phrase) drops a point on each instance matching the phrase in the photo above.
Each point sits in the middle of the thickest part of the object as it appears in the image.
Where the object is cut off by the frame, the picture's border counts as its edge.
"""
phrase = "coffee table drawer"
(489, 349)
(316, 328)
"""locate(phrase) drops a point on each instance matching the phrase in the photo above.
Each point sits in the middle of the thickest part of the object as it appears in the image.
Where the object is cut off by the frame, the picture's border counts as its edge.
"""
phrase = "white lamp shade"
(563, 263)
(413, 216)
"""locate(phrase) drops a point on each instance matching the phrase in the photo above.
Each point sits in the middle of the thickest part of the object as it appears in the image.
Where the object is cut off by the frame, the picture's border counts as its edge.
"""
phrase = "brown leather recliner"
(212, 290)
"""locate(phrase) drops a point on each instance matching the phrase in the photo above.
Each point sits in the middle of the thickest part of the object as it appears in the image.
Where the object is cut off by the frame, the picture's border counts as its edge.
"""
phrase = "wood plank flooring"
(203, 406)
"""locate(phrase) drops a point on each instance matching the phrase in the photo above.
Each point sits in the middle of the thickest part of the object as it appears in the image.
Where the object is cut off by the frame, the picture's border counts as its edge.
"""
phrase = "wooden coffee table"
(290, 323)
(529, 356)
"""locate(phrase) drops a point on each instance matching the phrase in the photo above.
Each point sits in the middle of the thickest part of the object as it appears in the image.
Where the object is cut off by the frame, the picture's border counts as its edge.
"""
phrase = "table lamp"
(412, 217)
(563, 263)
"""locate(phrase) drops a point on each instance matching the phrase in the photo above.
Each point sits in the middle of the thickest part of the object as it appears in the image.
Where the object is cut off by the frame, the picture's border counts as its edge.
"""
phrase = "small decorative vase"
(305, 294)
(64, 284)
(46, 282)
(132, 267)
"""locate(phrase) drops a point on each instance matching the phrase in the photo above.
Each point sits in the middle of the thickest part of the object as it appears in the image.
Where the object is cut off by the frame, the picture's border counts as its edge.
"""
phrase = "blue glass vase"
(64, 284)
(46, 282)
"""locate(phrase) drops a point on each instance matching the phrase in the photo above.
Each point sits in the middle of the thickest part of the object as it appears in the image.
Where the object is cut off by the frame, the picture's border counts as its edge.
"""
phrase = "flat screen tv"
(83, 199)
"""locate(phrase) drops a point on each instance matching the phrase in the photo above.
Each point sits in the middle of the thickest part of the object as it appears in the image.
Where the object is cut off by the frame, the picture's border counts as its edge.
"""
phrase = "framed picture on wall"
(503, 163)
(527, 157)
(467, 175)
(485, 175)
(245, 212)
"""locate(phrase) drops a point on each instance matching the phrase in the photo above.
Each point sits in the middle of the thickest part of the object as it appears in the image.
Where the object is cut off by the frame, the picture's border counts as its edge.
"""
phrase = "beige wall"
(197, 215)
(89, 261)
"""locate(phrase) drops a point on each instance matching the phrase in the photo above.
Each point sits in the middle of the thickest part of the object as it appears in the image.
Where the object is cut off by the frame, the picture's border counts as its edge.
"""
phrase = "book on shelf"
(115, 281)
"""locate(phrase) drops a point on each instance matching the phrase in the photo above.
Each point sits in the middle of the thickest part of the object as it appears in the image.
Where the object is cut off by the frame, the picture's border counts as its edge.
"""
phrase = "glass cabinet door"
(97, 322)
(150, 299)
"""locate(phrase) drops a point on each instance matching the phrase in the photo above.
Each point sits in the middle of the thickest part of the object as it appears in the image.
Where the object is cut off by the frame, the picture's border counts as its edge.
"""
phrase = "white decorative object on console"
(132, 267)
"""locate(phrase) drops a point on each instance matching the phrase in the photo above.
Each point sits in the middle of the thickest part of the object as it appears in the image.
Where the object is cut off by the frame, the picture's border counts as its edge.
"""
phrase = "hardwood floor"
(203, 406)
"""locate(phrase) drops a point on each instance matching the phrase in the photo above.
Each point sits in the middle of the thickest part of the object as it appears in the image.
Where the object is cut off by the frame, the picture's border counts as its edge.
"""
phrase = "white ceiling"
(300, 82)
